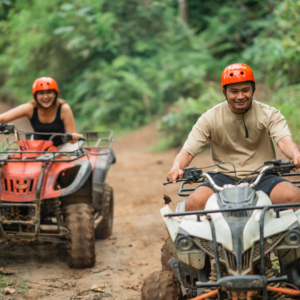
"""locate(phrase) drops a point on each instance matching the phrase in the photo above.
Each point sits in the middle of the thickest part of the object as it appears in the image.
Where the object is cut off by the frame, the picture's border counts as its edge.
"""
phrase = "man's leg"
(285, 192)
(198, 199)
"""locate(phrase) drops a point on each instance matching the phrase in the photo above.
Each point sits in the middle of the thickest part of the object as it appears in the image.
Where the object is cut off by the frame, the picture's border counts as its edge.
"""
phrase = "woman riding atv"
(47, 113)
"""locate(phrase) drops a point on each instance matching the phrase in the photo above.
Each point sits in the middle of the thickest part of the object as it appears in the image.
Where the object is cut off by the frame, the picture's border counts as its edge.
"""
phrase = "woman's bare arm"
(24, 110)
(69, 122)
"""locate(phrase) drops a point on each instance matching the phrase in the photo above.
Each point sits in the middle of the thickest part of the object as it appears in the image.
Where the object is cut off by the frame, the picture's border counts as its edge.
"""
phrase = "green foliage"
(177, 124)
(116, 62)
(121, 63)
(231, 26)
(276, 50)
(287, 101)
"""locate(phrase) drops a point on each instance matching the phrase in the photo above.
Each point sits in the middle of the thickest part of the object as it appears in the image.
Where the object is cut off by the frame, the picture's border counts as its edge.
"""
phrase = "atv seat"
(68, 147)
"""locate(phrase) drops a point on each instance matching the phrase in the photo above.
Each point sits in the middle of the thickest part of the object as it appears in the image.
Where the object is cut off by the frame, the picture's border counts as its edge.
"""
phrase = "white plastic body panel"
(201, 229)
(271, 225)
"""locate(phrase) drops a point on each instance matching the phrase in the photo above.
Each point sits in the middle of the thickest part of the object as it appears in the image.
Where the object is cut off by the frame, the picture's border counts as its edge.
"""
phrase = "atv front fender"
(81, 178)
(85, 170)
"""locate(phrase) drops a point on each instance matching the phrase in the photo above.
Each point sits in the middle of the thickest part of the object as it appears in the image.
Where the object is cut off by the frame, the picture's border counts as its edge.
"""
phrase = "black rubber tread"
(161, 285)
(104, 229)
(166, 255)
(81, 244)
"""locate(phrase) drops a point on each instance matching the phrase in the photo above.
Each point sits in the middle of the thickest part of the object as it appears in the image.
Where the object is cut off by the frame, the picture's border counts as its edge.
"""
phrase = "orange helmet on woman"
(237, 73)
(43, 84)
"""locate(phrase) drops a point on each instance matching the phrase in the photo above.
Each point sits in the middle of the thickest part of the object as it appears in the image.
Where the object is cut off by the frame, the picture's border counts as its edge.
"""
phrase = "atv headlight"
(185, 244)
(293, 238)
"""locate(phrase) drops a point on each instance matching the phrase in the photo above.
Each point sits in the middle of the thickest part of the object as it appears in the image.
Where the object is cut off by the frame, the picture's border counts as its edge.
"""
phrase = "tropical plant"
(177, 124)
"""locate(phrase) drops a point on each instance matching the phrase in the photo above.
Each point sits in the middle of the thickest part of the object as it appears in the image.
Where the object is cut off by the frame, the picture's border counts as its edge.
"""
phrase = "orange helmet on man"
(43, 84)
(237, 73)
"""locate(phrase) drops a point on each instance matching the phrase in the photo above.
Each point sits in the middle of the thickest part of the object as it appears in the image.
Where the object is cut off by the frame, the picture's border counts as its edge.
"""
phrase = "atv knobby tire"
(104, 229)
(166, 255)
(161, 286)
(81, 244)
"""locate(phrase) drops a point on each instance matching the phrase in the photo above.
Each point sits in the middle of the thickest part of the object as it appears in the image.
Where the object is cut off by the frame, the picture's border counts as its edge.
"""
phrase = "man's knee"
(292, 196)
(198, 199)
(285, 192)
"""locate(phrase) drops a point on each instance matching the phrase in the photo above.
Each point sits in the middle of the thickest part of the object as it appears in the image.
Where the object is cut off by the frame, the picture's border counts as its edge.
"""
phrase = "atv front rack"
(220, 284)
(98, 139)
(41, 156)
(94, 142)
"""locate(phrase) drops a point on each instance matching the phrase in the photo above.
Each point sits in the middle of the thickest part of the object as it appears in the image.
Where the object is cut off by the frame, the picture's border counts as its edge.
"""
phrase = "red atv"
(57, 195)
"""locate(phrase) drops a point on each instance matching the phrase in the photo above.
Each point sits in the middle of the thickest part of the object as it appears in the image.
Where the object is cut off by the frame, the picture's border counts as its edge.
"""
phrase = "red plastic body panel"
(19, 179)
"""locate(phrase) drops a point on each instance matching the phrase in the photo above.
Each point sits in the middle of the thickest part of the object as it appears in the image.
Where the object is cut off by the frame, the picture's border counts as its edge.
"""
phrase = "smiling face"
(239, 96)
(46, 98)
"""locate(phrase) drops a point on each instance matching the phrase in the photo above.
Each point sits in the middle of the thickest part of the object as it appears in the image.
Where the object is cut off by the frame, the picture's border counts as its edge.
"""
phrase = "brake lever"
(177, 180)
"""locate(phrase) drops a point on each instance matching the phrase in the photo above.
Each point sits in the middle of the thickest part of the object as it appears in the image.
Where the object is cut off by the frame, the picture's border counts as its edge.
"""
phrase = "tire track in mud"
(133, 251)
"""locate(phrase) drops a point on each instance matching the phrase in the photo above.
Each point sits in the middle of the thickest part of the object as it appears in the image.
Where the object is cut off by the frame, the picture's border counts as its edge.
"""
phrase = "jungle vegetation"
(123, 63)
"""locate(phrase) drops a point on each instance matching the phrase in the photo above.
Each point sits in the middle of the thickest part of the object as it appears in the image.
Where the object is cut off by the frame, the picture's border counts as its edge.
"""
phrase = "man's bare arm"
(182, 160)
(289, 148)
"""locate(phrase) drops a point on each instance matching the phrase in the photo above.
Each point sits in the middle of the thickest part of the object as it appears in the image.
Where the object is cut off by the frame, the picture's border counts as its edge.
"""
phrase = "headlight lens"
(185, 244)
(293, 238)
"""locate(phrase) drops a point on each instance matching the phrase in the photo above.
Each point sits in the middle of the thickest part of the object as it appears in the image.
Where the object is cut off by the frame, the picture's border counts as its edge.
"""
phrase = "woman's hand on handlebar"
(75, 137)
(175, 174)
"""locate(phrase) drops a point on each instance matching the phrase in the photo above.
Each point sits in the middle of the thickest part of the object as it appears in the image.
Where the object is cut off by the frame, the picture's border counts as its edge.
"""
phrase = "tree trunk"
(183, 10)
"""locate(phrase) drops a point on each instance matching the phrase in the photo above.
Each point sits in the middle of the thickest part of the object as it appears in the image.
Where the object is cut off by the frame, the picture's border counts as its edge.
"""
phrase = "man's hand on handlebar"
(296, 162)
(175, 174)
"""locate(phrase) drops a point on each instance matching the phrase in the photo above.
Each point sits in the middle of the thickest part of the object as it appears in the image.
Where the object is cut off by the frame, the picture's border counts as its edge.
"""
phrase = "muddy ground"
(125, 259)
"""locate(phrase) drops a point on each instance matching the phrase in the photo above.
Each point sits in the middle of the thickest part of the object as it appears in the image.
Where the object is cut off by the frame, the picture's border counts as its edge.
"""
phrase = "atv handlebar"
(193, 174)
(8, 128)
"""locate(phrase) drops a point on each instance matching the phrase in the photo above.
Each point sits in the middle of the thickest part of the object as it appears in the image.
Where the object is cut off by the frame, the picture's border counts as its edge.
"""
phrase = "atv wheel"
(162, 286)
(81, 245)
(104, 229)
(166, 255)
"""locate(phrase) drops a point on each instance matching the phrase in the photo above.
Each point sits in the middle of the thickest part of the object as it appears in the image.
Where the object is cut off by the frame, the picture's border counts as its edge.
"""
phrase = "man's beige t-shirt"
(226, 132)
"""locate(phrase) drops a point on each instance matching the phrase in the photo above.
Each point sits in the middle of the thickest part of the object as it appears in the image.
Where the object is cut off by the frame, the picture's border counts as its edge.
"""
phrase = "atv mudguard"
(80, 179)
(101, 168)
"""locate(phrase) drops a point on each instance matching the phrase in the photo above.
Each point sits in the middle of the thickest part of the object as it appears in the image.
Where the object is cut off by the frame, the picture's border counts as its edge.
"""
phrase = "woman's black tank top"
(56, 126)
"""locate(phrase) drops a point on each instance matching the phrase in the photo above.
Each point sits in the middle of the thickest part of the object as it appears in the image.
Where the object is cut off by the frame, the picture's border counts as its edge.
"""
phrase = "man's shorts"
(267, 184)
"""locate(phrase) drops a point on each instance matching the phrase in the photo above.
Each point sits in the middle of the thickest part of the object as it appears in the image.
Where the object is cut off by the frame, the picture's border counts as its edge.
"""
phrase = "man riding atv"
(240, 131)
(47, 113)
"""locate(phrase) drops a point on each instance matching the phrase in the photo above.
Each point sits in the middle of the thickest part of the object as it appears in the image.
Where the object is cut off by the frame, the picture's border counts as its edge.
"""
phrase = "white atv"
(241, 247)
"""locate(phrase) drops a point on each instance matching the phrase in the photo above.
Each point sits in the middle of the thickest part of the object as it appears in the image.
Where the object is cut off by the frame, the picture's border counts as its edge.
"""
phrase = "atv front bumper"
(12, 224)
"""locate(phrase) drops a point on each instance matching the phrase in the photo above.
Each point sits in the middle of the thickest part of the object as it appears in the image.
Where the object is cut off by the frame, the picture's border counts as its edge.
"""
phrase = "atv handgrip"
(69, 136)
(7, 128)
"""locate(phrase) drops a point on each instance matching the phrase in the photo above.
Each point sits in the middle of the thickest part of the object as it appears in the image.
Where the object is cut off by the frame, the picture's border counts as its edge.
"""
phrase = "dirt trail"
(134, 248)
